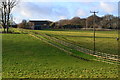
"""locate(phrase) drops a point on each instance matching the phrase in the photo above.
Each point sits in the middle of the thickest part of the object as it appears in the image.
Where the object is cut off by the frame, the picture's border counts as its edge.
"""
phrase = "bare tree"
(6, 7)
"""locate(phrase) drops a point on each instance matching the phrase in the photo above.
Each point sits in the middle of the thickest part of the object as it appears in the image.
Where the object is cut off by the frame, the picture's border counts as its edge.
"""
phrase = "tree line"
(106, 22)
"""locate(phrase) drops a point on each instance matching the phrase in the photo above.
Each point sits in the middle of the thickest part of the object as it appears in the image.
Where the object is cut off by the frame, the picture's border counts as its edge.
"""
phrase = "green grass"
(77, 53)
(27, 57)
(105, 40)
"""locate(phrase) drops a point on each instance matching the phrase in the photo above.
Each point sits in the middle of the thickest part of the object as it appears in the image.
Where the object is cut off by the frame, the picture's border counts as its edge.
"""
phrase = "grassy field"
(105, 40)
(25, 56)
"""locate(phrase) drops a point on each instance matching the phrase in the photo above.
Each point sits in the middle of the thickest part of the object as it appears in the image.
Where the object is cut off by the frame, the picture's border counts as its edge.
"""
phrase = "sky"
(62, 9)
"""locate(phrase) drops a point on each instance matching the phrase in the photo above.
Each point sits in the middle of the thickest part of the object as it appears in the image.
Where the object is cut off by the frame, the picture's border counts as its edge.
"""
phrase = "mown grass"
(69, 49)
(105, 40)
(27, 57)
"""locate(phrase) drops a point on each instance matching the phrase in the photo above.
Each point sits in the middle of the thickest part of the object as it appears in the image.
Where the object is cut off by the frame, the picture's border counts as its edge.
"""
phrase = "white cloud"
(62, 17)
(80, 12)
(25, 13)
(22, 10)
(109, 8)
(30, 10)
(52, 11)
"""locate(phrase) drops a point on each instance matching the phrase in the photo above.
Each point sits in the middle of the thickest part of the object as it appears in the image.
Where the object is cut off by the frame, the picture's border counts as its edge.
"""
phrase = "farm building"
(38, 25)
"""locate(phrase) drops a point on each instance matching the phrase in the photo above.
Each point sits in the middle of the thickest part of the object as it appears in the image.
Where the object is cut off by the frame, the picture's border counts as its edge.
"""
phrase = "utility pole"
(86, 24)
(94, 29)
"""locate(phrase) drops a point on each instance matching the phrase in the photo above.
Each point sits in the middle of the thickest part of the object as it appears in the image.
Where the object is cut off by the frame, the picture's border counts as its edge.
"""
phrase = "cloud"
(107, 7)
(59, 10)
(62, 17)
(22, 10)
(29, 10)
(80, 12)
(41, 10)
(33, 10)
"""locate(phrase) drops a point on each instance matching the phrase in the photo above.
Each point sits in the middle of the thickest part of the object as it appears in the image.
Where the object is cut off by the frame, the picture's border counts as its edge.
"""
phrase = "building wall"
(38, 25)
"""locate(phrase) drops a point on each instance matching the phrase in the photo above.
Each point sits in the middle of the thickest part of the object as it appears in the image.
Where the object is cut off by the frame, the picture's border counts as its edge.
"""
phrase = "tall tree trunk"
(7, 29)
(5, 15)
(3, 22)
(4, 29)
(8, 17)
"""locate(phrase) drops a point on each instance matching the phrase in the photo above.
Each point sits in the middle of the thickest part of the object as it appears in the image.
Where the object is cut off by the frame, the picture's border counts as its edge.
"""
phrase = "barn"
(39, 25)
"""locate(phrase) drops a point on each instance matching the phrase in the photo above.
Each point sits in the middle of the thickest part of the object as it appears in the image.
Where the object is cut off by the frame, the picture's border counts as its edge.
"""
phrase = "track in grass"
(105, 40)
(76, 49)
